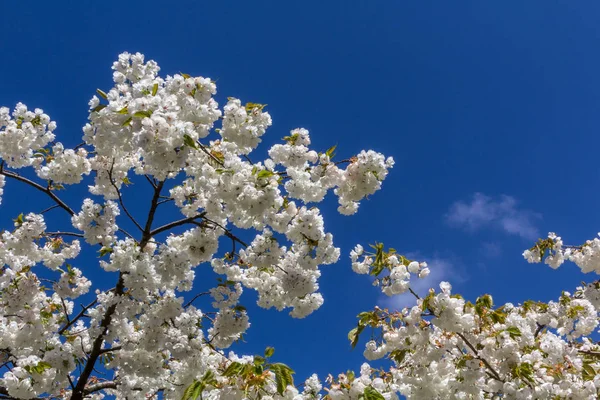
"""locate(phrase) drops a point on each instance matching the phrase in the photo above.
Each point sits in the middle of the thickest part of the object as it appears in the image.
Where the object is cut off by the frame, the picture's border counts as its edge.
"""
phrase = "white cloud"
(441, 270)
(500, 213)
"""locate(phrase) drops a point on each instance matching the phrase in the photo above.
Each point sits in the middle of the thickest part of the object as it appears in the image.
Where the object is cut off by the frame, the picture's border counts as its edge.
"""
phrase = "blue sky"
(489, 108)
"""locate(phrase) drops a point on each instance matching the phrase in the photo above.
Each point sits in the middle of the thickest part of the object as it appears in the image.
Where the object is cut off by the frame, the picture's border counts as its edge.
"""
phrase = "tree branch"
(112, 182)
(474, 350)
(39, 187)
(227, 232)
(147, 235)
(78, 391)
(80, 387)
(189, 303)
(176, 223)
(99, 386)
(71, 322)
(79, 235)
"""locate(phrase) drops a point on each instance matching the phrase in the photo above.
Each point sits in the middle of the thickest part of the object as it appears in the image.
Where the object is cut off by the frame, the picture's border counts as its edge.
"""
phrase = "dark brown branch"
(153, 205)
(81, 314)
(39, 187)
(126, 233)
(189, 303)
(49, 208)
(80, 387)
(112, 182)
(538, 330)
(66, 311)
(78, 392)
(177, 223)
(208, 153)
(165, 201)
(115, 348)
(151, 182)
(414, 294)
(79, 235)
(474, 350)
(227, 232)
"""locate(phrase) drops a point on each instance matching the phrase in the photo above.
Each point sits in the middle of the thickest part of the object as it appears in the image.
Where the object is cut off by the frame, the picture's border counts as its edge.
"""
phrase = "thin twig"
(49, 208)
(81, 313)
(176, 223)
(227, 232)
(151, 182)
(66, 311)
(203, 148)
(165, 201)
(126, 233)
(112, 182)
(39, 187)
(79, 235)
(115, 348)
(189, 303)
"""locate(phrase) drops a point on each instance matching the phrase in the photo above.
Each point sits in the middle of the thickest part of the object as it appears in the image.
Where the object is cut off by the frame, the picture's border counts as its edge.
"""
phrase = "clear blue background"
(467, 96)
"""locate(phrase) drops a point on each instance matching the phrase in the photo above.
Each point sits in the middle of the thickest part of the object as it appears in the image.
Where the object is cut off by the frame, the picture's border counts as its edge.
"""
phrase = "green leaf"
(252, 106)
(188, 141)
(258, 360)
(123, 110)
(588, 372)
(331, 152)
(19, 220)
(102, 94)
(143, 114)
(513, 331)
(498, 316)
(292, 139)
(398, 355)
(126, 181)
(269, 352)
(39, 368)
(233, 369)
(426, 301)
(372, 394)
(354, 334)
(99, 107)
(127, 122)
(283, 376)
(154, 89)
(485, 300)
(193, 391)
(186, 76)
(105, 250)
(265, 173)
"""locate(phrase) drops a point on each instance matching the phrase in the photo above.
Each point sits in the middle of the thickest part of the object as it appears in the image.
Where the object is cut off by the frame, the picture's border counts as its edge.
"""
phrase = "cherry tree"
(170, 134)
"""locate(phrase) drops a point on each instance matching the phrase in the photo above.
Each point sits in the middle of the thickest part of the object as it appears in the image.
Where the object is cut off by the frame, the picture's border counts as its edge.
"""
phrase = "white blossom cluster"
(63, 166)
(196, 158)
(22, 133)
(555, 253)
(97, 221)
(140, 339)
(446, 347)
(397, 281)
